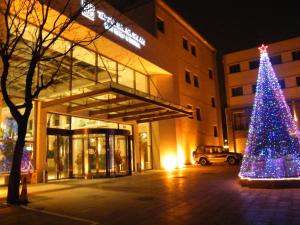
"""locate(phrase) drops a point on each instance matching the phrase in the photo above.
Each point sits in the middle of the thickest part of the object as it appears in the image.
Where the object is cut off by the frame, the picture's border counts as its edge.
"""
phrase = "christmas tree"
(273, 149)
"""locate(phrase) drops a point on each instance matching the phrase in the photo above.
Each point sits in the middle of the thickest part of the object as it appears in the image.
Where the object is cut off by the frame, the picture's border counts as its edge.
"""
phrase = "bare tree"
(17, 16)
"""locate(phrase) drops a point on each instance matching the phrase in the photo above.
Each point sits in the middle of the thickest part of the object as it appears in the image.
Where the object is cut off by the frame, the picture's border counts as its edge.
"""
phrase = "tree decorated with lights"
(273, 148)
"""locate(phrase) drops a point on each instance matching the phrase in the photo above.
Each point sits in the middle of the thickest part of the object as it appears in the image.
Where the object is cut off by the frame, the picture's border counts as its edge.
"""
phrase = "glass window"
(160, 25)
(145, 145)
(276, 59)
(194, 50)
(210, 74)
(187, 77)
(282, 84)
(254, 88)
(254, 64)
(237, 91)
(83, 67)
(120, 154)
(296, 55)
(240, 121)
(196, 81)
(141, 82)
(8, 138)
(213, 102)
(234, 68)
(185, 44)
(125, 76)
(198, 114)
(107, 70)
(79, 123)
(58, 121)
(298, 81)
(215, 131)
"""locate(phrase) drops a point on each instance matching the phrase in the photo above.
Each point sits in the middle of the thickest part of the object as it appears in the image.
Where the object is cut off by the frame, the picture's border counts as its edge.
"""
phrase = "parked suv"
(205, 155)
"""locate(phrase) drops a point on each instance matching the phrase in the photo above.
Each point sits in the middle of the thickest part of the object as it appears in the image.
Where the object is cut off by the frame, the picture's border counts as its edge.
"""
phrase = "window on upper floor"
(187, 76)
(215, 131)
(282, 84)
(254, 64)
(298, 81)
(296, 55)
(210, 74)
(198, 114)
(191, 107)
(160, 24)
(185, 44)
(240, 121)
(276, 59)
(213, 102)
(194, 50)
(234, 68)
(237, 91)
(253, 88)
(196, 81)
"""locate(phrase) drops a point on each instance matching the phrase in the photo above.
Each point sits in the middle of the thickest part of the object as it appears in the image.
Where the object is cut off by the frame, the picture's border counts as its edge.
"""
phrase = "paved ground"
(202, 195)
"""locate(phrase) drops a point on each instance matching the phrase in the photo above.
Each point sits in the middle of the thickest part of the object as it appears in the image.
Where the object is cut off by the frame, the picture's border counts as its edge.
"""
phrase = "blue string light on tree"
(273, 149)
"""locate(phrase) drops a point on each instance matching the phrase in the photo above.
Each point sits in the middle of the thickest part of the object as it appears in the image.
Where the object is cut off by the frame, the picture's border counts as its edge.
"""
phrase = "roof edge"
(175, 15)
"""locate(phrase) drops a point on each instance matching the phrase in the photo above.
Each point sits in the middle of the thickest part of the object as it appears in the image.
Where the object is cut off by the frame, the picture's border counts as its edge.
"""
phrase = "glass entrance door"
(58, 157)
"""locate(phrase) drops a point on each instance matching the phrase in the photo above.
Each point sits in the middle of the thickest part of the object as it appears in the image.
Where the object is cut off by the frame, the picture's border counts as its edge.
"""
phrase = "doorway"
(58, 157)
(88, 153)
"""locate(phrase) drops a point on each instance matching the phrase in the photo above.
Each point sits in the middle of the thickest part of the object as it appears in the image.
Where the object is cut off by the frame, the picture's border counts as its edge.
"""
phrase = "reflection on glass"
(83, 68)
(58, 121)
(141, 82)
(58, 157)
(8, 138)
(107, 70)
(125, 76)
(145, 145)
(120, 154)
(77, 148)
(52, 157)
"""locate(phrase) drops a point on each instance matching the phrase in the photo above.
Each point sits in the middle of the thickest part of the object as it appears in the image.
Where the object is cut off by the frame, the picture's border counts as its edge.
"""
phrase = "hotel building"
(241, 69)
(140, 97)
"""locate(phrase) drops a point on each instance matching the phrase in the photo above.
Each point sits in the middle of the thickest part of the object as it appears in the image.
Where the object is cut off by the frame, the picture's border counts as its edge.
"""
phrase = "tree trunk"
(15, 173)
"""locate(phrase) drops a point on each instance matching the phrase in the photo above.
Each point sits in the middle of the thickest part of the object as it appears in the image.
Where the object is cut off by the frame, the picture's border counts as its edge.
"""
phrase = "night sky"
(235, 25)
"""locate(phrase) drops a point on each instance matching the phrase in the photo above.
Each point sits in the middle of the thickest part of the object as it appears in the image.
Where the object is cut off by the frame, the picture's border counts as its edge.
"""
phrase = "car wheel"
(231, 161)
(203, 161)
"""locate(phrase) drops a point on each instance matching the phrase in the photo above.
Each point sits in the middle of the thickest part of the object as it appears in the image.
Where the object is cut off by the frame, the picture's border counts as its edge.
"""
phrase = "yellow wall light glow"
(169, 162)
(180, 158)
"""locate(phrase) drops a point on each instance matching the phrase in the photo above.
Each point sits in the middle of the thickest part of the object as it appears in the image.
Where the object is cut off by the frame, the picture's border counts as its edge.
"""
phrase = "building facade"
(142, 96)
(241, 69)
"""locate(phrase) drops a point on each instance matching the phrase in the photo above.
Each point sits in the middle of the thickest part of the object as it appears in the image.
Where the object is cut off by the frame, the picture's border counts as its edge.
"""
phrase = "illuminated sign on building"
(113, 26)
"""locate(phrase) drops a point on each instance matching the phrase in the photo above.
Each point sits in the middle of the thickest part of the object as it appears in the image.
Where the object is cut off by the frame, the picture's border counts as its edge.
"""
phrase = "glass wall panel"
(79, 123)
(126, 127)
(83, 68)
(57, 66)
(8, 138)
(125, 76)
(101, 142)
(52, 157)
(121, 162)
(58, 121)
(107, 70)
(58, 157)
(141, 82)
(77, 148)
(145, 145)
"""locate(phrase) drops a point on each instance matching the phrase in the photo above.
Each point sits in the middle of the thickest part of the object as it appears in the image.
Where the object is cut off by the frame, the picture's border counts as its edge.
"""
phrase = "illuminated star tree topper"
(273, 150)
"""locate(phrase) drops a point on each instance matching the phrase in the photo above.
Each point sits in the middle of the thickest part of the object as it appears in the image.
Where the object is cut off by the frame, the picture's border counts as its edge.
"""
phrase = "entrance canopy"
(112, 101)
